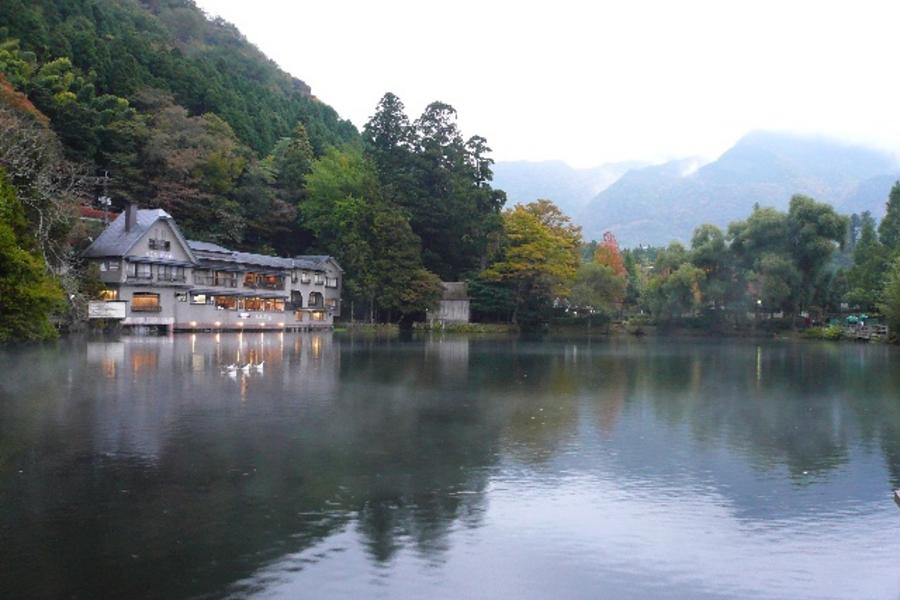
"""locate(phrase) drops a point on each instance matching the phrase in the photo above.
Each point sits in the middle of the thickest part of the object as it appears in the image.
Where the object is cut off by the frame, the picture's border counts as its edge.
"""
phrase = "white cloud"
(595, 82)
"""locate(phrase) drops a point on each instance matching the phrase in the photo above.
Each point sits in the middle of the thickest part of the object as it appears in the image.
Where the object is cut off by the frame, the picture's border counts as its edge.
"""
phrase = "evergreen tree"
(889, 229)
(870, 261)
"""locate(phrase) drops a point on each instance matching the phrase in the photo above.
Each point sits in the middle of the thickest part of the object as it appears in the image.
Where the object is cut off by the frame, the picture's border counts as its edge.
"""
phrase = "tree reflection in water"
(136, 465)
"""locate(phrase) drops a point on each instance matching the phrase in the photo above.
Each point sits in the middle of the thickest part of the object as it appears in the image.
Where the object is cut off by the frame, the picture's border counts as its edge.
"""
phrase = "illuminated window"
(317, 315)
(108, 295)
(200, 299)
(264, 304)
(145, 302)
(226, 302)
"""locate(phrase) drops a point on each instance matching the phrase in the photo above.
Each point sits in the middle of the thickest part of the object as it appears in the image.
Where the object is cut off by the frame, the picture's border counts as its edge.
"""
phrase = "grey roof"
(207, 247)
(313, 261)
(455, 290)
(115, 241)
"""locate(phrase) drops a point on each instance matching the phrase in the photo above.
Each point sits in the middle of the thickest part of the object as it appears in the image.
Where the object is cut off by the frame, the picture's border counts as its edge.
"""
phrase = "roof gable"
(115, 241)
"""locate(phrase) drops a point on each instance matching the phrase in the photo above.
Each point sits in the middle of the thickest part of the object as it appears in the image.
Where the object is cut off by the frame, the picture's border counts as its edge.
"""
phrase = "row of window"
(217, 278)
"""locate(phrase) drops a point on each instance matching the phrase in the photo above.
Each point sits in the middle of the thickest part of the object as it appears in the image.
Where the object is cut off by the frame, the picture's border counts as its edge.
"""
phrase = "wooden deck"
(867, 333)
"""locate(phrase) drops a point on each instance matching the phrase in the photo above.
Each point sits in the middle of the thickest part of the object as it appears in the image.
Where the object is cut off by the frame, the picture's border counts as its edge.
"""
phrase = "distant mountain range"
(660, 203)
(570, 188)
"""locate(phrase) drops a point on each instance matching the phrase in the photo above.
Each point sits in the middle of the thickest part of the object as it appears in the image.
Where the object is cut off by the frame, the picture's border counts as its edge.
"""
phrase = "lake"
(449, 467)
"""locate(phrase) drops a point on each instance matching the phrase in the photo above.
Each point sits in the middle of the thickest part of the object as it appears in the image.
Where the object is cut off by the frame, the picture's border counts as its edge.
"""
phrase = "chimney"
(130, 216)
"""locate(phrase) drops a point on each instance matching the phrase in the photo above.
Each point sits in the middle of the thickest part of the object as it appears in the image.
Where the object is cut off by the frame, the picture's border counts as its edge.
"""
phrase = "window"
(250, 279)
(331, 282)
(296, 299)
(264, 304)
(202, 277)
(108, 295)
(104, 266)
(317, 315)
(144, 302)
(155, 244)
(320, 279)
(304, 277)
(139, 271)
(170, 273)
(200, 299)
(225, 279)
(315, 300)
(113, 265)
(226, 302)
(332, 303)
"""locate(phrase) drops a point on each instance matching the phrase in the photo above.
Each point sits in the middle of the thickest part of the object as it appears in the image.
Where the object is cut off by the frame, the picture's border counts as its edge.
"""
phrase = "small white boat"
(246, 368)
(259, 367)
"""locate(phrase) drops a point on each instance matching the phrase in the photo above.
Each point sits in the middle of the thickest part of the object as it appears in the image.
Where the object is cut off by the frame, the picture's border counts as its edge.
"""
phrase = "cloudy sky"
(589, 83)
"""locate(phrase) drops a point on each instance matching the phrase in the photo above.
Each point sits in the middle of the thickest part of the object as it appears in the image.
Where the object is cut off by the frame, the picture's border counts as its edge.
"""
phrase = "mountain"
(568, 187)
(660, 203)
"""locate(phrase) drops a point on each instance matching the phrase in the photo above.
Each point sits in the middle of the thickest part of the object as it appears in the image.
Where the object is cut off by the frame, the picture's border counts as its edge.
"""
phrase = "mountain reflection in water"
(447, 468)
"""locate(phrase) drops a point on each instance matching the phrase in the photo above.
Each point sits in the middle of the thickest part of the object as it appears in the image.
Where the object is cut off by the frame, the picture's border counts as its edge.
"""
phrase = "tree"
(292, 160)
(890, 299)
(537, 261)
(889, 229)
(28, 295)
(815, 231)
(598, 288)
(710, 253)
(870, 262)
(608, 254)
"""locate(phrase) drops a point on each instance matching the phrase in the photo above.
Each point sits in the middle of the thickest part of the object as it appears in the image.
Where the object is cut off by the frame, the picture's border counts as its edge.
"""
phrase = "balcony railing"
(262, 285)
(175, 278)
(216, 281)
(140, 277)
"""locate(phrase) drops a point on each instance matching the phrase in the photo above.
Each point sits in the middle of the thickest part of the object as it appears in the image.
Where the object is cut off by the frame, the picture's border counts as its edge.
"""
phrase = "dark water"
(449, 468)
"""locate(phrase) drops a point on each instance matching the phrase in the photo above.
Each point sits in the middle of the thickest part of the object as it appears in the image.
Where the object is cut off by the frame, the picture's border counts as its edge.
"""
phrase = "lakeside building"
(453, 307)
(155, 277)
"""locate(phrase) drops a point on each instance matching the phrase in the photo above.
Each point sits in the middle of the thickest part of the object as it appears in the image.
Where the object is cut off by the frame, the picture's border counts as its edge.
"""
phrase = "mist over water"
(449, 467)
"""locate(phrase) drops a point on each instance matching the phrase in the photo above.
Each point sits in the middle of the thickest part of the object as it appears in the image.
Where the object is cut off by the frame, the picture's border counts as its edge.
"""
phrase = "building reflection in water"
(398, 449)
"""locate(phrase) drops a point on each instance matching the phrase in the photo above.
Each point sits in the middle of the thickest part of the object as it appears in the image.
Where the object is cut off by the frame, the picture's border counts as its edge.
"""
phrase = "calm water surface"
(449, 468)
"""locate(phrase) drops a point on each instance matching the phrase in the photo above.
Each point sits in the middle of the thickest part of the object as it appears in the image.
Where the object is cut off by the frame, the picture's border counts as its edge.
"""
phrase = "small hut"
(453, 307)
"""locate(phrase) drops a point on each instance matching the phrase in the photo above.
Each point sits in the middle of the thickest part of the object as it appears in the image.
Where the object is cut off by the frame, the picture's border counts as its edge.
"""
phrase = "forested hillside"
(153, 103)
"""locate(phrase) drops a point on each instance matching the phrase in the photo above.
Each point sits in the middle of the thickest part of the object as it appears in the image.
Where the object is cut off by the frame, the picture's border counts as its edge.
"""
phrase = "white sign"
(98, 309)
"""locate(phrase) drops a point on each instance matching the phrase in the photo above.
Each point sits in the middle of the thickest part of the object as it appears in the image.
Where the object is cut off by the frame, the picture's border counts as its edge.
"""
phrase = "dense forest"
(153, 103)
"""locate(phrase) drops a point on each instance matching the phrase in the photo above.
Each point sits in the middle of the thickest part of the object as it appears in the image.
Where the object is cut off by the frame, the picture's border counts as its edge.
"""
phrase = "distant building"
(453, 307)
(157, 278)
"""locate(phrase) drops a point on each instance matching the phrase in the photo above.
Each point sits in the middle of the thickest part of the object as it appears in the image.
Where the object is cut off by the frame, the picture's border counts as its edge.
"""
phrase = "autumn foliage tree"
(539, 258)
(608, 254)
